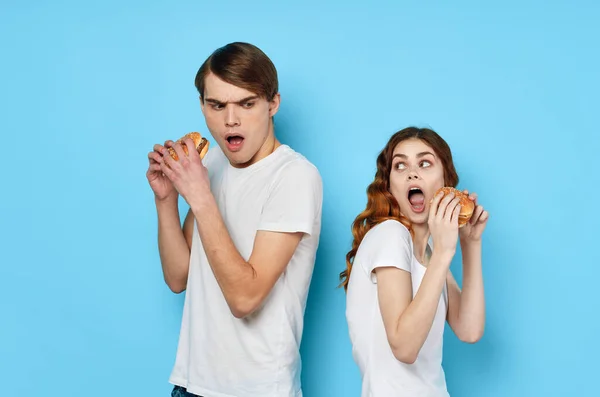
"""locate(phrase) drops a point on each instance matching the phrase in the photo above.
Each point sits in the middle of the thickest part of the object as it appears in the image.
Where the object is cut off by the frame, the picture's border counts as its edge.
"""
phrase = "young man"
(247, 248)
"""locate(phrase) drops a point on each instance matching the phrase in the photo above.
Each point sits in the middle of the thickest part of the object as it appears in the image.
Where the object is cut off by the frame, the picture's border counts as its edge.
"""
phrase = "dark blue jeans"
(179, 391)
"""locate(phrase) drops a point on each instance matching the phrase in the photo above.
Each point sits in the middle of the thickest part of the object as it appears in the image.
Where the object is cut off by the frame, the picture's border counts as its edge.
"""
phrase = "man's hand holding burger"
(185, 170)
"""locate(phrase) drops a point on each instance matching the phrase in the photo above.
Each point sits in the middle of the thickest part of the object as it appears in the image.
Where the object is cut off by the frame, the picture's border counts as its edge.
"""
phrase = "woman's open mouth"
(416, 198)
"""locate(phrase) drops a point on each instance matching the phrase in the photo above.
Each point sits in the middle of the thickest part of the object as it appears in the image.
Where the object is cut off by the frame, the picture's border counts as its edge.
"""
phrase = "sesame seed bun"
(200, 143)
(467, 206)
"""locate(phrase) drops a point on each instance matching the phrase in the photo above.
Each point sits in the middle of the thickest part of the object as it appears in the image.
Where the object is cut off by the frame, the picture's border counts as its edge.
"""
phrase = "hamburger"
(201, 145)
(467, 206)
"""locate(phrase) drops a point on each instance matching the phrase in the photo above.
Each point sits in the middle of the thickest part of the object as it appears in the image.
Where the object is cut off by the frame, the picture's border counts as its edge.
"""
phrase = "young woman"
(400, 291)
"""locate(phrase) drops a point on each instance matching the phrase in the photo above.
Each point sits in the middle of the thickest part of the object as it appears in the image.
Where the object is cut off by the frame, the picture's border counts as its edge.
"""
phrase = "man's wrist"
(202, 203)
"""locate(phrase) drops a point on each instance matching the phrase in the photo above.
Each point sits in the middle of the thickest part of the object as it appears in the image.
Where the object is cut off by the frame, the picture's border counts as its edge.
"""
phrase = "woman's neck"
(420, 240)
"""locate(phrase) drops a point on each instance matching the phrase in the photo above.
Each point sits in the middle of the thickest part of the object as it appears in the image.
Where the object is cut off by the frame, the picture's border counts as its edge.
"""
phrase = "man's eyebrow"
(216, 101)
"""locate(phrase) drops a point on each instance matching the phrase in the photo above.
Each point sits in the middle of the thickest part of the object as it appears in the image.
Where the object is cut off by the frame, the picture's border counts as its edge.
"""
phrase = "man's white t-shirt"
(389, 244)
(220, 355)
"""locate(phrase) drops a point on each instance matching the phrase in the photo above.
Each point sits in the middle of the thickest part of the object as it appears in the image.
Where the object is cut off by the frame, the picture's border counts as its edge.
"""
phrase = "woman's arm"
(466, 308)
(407, 321)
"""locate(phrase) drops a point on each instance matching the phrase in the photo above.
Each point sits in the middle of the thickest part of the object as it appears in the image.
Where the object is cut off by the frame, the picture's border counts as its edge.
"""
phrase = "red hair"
(381, 204)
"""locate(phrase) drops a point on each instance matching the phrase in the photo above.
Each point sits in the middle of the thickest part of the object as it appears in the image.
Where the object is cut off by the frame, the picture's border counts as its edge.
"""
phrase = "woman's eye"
(400, 166)
(425, 163)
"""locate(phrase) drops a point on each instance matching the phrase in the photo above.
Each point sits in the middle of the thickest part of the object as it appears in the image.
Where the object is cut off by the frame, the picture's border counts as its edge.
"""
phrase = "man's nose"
(231, 117)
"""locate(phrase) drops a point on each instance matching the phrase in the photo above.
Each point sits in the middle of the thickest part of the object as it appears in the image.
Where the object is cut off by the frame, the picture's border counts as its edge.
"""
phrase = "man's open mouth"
(235, 139)
(234, 142)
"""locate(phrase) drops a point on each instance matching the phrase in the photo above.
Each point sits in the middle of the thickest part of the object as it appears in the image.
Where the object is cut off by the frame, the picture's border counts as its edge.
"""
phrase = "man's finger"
(167, 160)
(179, 150)
(165, 167)
(155, 167)
(191, 147)
(154, 157)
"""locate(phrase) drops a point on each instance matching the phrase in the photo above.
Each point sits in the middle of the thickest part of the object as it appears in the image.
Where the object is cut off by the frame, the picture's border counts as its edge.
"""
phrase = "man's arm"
(289, 213)
(245, 284)
(174, 243)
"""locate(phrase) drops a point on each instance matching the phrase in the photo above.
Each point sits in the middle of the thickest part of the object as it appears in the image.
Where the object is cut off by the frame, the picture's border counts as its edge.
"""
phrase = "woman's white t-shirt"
(389, 244)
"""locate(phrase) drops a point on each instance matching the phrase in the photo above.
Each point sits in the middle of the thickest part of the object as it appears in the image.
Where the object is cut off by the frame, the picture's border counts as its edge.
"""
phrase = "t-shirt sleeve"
(389, 246)
(294, 201)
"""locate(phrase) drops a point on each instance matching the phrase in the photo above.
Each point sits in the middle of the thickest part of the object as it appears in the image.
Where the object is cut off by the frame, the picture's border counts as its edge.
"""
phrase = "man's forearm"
(472, 303)
(173, 248)
(234, 275)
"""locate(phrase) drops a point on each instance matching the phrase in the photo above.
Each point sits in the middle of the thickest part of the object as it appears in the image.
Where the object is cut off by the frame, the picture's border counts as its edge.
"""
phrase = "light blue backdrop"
(89, 87)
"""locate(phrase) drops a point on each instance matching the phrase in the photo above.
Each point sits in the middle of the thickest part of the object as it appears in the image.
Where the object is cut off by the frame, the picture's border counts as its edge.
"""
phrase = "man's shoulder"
(294, 164)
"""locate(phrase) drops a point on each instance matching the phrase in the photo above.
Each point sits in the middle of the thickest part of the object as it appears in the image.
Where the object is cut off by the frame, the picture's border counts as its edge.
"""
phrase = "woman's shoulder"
(386, 231)
(389, 226)
(389, 244)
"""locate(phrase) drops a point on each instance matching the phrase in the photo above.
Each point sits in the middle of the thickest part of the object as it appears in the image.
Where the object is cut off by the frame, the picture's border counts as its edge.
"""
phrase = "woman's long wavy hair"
(381, 205)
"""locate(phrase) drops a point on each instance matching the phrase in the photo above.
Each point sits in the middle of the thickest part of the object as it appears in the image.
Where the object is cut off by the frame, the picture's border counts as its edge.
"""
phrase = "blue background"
(89, 87)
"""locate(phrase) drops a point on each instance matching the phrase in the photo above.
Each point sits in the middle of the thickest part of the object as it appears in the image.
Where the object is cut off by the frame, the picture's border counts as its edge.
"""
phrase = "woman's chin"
(420, 221)
(417, 218)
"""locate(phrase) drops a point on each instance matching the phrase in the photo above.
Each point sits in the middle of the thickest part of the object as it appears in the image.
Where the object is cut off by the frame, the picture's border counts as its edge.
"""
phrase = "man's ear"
(274, 105)
(201, 103)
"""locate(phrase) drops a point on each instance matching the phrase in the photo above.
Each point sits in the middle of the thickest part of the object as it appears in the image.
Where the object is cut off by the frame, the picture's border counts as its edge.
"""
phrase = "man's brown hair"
(243, 65)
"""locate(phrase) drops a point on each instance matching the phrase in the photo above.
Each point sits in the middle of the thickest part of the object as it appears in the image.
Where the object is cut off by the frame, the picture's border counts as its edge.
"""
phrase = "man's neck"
(268, 147)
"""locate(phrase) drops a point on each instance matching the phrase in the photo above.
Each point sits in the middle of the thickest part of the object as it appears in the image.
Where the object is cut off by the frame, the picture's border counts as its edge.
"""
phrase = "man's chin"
(238, 160)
